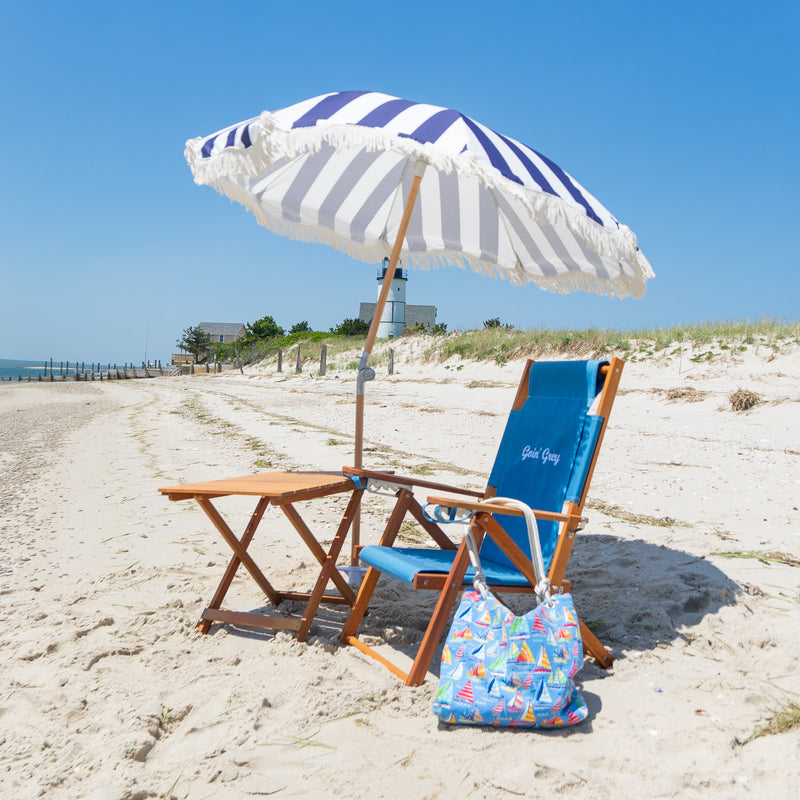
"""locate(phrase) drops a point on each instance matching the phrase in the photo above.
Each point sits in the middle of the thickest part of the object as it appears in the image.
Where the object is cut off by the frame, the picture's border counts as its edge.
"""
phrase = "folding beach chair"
(546, 459)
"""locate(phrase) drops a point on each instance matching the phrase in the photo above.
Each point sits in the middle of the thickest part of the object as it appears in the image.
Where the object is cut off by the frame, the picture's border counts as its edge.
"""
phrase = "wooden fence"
(82, 372)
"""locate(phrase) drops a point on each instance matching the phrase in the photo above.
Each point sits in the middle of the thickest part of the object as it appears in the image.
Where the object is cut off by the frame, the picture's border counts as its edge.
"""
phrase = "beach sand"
(107, 690)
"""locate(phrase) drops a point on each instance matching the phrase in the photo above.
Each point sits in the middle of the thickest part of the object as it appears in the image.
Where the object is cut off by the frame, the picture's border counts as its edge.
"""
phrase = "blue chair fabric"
(543, 459)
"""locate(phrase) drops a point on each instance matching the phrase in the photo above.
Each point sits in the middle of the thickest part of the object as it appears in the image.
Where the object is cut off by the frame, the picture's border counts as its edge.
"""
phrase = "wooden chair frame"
(483, 523)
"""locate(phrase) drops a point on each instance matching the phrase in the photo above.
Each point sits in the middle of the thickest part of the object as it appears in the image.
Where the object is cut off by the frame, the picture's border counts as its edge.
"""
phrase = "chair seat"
(404, 563)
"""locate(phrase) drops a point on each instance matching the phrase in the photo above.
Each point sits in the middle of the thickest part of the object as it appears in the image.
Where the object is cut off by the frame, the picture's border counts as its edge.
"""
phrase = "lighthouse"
(393, 319)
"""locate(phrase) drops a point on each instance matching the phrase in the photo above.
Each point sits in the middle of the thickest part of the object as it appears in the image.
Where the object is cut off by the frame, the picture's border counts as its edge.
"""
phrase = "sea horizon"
(15, 368)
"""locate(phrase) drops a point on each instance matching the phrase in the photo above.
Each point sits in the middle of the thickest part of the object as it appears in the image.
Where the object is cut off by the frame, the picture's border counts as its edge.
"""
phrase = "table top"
(278, 486)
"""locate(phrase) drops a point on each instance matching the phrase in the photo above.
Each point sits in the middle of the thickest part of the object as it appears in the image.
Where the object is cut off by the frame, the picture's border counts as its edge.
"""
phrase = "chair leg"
(329, 565)
(593, 646)
(363, 597)
(438, 621)
(367, 587)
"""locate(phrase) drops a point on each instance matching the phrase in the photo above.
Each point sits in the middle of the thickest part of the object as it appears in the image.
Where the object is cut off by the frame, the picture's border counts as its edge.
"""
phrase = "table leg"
(329, 566)
(239, 548)
(316, 549)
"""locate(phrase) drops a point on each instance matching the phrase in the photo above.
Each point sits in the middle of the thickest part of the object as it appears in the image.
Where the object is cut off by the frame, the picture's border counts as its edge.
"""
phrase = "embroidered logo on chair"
(504, 670)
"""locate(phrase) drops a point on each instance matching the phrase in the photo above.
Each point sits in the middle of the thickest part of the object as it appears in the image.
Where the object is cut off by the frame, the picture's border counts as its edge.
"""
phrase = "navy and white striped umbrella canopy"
(338, 168)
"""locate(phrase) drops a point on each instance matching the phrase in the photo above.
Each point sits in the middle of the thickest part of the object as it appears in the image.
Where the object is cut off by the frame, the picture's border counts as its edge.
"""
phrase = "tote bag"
(501, 669)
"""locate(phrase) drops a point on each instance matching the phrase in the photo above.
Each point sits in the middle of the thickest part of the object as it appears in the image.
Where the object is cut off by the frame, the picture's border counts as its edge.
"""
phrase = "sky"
(681, 118)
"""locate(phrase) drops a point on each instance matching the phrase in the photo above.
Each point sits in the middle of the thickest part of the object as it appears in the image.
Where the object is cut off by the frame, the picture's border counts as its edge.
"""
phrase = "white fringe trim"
(270, 142)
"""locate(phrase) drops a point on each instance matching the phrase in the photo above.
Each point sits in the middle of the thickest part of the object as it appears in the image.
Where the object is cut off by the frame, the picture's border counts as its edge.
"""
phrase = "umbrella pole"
(365, 373)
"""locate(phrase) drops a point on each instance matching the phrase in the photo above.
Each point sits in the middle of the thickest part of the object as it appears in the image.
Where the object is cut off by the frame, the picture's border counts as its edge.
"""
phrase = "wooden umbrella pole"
(364, 374)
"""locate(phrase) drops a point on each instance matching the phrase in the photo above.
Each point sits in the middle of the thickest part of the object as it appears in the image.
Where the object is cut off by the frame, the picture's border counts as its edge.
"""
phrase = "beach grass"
(697, 342)
(782, 721)
(765, 556)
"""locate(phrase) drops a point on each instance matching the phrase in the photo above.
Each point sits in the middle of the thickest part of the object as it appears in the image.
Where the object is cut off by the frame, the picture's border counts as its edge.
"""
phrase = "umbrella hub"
(365, 373)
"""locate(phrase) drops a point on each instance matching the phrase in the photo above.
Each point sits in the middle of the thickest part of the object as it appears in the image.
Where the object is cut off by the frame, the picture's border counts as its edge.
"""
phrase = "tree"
(264, 328)
(351, 327)
(299, 327)
(195, 341)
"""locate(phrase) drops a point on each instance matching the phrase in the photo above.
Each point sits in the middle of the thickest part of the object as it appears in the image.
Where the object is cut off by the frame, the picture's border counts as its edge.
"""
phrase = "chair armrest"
(487, 507)
(401, 480)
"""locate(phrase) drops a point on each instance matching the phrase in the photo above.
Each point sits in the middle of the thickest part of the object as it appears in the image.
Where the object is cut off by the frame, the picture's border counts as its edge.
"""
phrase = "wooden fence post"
(323, 360)
(391, 361)
(280, 360)
(298, 367)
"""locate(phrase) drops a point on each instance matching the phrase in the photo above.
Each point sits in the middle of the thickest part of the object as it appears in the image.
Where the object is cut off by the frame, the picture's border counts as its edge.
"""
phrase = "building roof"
(221, 328)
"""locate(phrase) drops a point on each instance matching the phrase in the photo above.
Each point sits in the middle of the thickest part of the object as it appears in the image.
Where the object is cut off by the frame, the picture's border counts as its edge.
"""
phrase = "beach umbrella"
(378, 176)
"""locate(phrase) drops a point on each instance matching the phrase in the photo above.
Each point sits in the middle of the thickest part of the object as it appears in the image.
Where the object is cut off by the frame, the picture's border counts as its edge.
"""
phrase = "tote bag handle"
(542, 587)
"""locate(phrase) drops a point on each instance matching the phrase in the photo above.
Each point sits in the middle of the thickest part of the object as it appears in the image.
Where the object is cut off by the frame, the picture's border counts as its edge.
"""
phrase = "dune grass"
(699, 342)
(693, 343)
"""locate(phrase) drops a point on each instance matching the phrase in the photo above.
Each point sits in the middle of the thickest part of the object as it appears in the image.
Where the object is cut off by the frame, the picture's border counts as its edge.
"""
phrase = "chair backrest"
(547, 448)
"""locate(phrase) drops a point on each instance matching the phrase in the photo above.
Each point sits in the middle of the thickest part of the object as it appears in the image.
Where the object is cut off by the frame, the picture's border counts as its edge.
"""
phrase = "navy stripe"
(208, 147)
(434, 126)
(231, 138)
(246, 141)
(497, 161)
(533, 170)
(326, 108)
(571, 188)
(385, 113)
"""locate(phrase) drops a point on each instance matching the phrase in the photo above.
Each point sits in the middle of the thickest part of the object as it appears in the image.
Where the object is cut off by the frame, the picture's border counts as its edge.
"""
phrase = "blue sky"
(681, 118)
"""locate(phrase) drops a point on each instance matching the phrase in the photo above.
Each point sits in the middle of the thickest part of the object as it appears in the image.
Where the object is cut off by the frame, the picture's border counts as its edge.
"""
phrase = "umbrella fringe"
(622, 285)
(270, 141)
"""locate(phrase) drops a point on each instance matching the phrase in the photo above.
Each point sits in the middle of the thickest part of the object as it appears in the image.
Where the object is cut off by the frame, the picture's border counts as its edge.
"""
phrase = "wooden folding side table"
(281, 489)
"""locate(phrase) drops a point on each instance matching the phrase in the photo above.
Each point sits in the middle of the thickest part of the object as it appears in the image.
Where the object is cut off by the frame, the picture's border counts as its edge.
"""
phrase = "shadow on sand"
(633, 594)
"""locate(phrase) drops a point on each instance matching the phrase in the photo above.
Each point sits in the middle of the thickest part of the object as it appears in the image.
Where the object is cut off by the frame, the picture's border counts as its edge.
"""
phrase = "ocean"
(12, 368)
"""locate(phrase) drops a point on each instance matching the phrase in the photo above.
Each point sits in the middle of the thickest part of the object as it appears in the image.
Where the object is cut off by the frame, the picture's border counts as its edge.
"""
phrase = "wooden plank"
(402, 480)
(252, 620)
(333, 599)
(368, 651)
(491, 508)
(279, 486)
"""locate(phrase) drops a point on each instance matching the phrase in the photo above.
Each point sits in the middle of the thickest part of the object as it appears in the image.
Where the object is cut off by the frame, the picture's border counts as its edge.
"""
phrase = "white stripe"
(468, 188)
(357, 109)
(431, 211)
(286, 117)
(375, 230)
(359, 194)
(270, 189)
(408, 120)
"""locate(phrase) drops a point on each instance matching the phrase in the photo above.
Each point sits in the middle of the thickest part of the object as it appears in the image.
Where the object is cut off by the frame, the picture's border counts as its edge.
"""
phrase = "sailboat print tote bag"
(501, 669)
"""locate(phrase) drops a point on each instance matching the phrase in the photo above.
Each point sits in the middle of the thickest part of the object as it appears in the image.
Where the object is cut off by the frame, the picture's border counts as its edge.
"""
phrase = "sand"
(107, 690)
